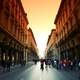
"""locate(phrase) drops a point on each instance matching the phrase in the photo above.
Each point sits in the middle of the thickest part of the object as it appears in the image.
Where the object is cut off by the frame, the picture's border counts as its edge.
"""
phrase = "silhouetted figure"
(49, 63)
(71, 65)
(35, 61)
(3, 64)
(79, 65)
(42, 64)
(8, 65)
(52, 62)
(46, 63)
(57, 63)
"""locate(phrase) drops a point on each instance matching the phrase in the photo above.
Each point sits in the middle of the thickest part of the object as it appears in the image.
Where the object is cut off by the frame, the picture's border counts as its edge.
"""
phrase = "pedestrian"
(79, 65)
(8, 65)
(49, 63)
(57, 63)
(71, 65)
(52, 62)
(3, 64)
(60, 64)
(65, 64)
(42, 64)
(46, 63)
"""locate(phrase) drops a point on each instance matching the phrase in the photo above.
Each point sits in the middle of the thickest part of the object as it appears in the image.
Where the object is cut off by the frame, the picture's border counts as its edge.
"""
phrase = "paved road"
(34, 73)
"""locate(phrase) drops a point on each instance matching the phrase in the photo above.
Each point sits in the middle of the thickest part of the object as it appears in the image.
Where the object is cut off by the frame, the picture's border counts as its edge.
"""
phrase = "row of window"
(19, 13)
(11, 19)
(65, 13)
(65, 21)
(13, 27)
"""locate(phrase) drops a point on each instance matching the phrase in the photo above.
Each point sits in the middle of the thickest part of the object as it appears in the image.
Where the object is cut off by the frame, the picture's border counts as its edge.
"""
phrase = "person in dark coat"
(46, 63)
(42, 64)
(8, 65)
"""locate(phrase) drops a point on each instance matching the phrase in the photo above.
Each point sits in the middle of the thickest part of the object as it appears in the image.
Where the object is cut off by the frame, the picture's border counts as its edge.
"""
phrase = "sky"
(41, 15)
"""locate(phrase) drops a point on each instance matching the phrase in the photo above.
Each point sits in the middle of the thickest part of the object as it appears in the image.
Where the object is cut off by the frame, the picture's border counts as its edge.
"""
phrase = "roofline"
(61, 5)
(50, 35)
(25, 14)
(32, 35)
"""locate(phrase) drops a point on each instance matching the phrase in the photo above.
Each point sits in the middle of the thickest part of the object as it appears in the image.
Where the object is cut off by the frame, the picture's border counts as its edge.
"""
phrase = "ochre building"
(51, 50)
(32, 51)
(67, 23)
(13, 31)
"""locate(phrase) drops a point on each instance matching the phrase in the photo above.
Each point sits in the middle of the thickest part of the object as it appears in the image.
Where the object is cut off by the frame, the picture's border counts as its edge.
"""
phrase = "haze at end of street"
(41, 15)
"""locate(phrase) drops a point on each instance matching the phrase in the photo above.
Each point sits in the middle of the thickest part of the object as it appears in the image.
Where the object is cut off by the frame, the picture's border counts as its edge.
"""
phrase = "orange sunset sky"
(41, 15)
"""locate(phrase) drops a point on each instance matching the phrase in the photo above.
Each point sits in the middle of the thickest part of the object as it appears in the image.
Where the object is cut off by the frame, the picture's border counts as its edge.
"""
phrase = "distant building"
(32, 52)
(68, 29)
(13, 31)
(51, 50)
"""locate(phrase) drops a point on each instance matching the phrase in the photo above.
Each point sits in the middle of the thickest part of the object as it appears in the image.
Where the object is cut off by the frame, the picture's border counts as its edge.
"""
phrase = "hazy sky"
(41, 15)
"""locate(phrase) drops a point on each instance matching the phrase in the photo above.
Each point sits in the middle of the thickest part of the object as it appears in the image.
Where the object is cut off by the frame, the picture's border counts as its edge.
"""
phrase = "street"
(39, 39)
(34, 73)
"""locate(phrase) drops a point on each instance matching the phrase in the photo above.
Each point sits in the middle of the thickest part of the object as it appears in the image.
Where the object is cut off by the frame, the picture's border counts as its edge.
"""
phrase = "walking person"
(3, 64)
(79, 65)
(8, 65)
(52, 62)
(71, 65)
(46, 63)
(49, 63)
(57, 63)
(42, 64)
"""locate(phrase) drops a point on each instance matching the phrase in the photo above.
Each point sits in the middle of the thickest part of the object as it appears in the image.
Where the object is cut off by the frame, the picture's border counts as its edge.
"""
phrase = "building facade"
(67, 27)
(13, 31)
(51, 50)
(32, 46)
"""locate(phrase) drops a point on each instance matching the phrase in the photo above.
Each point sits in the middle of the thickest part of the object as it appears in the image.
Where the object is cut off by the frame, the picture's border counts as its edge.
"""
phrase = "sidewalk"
(17, 68)
(73, 73)
(76, 73)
